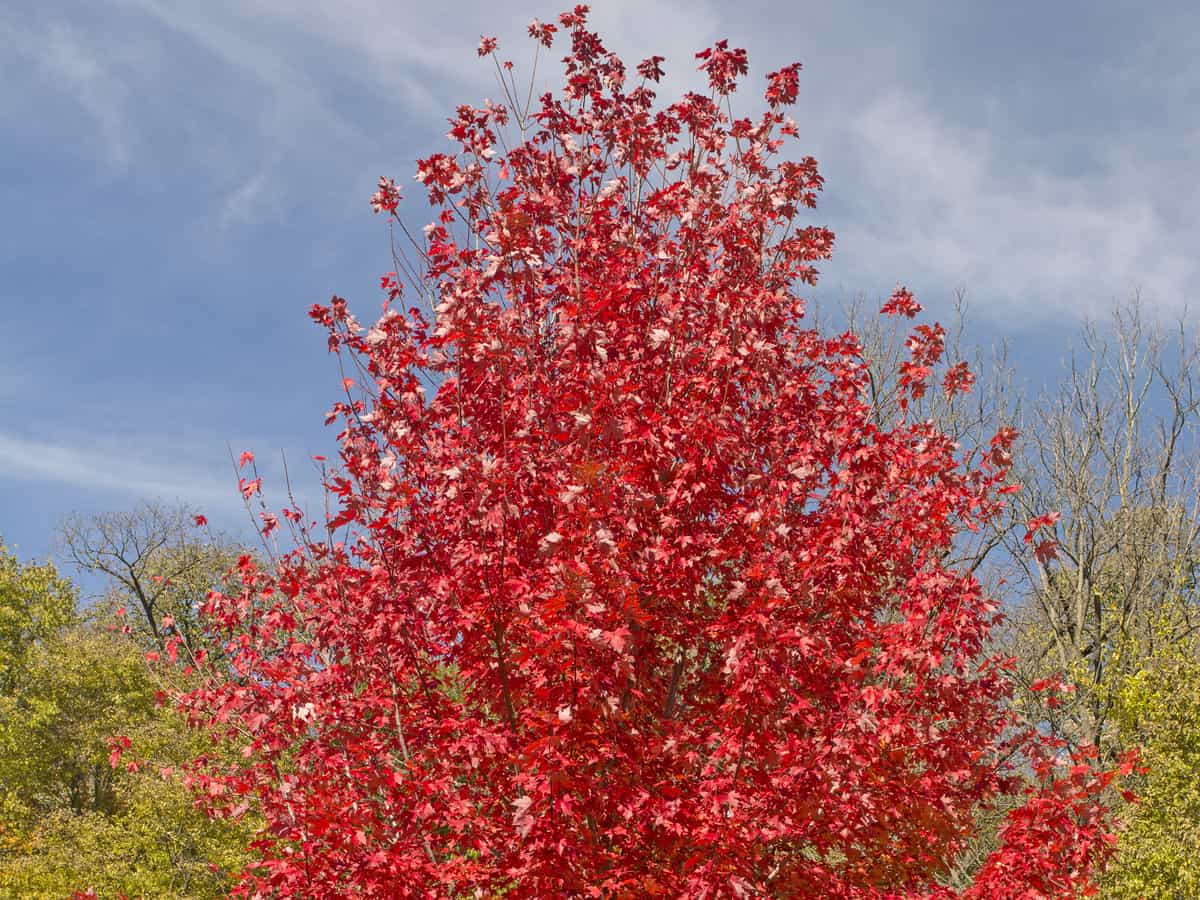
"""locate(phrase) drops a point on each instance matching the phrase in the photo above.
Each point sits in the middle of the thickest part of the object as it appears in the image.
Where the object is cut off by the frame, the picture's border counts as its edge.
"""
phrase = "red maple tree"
(624, 593)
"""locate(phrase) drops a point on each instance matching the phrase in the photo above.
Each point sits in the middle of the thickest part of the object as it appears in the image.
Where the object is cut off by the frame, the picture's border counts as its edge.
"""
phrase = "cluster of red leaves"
(636, 600)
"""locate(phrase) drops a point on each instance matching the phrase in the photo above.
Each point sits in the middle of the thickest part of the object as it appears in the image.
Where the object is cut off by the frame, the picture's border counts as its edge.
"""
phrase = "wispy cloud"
(946, 205)
(310, 88)
(63, 63)
(252, 201)
(924, 190)
(112, 469)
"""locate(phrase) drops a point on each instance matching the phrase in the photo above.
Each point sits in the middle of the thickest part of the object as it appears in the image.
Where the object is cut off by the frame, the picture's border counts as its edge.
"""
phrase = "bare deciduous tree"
(157, 562)
(1116, 450)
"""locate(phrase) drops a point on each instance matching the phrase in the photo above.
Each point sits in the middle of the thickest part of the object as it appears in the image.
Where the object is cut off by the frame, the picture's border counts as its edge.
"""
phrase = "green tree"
(69, 817)
(1159, 852)
(35, 603)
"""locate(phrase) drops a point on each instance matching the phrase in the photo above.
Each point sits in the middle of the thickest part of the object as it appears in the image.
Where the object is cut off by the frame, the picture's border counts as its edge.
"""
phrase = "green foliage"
(1098, 630)
(155, 846)
(1159, 851)
(69, 818)
(35, 603)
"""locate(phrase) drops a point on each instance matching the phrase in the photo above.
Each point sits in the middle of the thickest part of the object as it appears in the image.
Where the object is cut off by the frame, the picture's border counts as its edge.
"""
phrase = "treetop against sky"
(189, 180)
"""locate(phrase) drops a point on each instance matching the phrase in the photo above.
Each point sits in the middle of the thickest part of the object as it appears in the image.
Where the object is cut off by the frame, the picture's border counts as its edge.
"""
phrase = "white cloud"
(324, 87)
(186, 466)
(252, 201)
(942, 205)
(920, 196)
(384, 41)
(63, 63)
(113, 468)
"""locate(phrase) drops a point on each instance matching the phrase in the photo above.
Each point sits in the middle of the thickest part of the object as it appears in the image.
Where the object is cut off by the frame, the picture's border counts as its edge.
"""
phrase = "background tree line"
(93, 758)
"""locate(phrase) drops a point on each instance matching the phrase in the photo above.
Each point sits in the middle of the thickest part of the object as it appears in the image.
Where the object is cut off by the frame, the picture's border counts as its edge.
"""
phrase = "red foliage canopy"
(635, 599)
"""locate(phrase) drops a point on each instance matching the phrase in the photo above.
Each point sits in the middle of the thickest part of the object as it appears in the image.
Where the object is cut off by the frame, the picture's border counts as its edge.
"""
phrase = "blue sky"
(184, 179)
